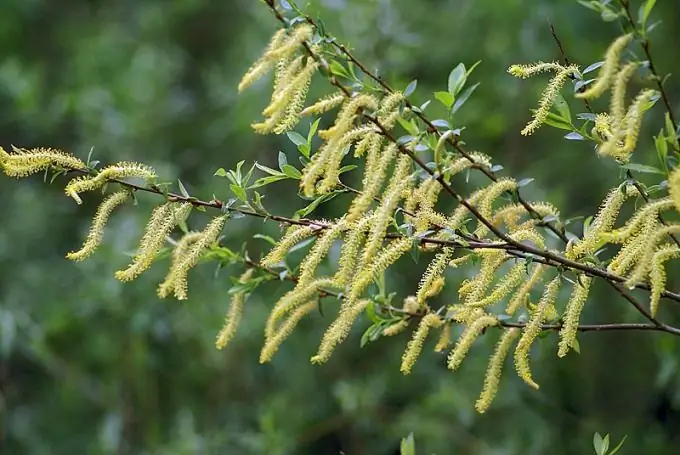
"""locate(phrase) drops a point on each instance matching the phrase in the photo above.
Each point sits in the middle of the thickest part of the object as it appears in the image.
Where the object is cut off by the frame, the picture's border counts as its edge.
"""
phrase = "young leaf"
(296, 138)
(463, 98)
(457, 79)
(411, 87)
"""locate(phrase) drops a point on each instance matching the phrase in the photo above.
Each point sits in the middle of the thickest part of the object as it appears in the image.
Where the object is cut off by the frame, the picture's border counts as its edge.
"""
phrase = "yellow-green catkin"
(429, 286)
(617, 108)
(324, 105)
(415, 345)
(644, 262)
(347, 263)
(474, 328)
(121, 170)
(25, 162)
(271, 346)
(485, 205)
(532, 330)
(657, 275)
(294, 235)
(235, 312)
(572, 314)
(338, 331)
(521, 296)
(609, 68)
(96, 232)
(303, 292)
(550, 93)
(492, 376)
(281, 47)
(163, 220)
(377, 164)
(325, 164)
(400, 182)
(508, 282)
(176, 279)
(319, 250)
(674, 187)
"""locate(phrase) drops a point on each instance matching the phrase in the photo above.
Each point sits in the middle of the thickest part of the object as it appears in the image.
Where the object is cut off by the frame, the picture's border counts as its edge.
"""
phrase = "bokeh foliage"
(89, 365)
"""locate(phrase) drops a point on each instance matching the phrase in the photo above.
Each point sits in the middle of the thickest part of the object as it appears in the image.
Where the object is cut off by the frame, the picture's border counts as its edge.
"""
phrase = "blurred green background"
(89, 365)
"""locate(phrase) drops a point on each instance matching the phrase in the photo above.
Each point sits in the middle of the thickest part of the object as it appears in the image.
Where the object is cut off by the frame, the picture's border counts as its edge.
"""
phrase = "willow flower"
(96, 232)
(235, 312)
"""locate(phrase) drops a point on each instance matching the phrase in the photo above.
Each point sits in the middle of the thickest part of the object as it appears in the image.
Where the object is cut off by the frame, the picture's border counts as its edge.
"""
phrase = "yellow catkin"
(644, 263)
(444, 338)
(609, 68)
(395, 329)
(121, 170)
(475, 327)
(163, 221)
(657, 275)
(508, 282)
(96, 232)
(521, 296)
(415, 345)
(324, 104)
(338, 331)
(271, 346)
(319, 250)
(572, 314)
(293, 236)
(433, 272)
(25, 162)
(176, 279)
(347, 263)
(181, 248)
(674, 187)
(233, 318)
(618, 99)
(532, 330)
(377, 163)
(303, 292)
(400, 182)
(494, 369)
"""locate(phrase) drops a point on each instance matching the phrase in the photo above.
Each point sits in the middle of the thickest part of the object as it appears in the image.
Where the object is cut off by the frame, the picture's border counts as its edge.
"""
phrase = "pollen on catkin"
(479, 321)
(294, 235)
(532, 330)
(674, 187)
(96, 232)
(163, 220)
(271, 346)
(572, 314)
(494, 369)
(176, 279)
(25, 162)
(609, 68)
(415, 345)
(657, 275)
(121, 170)
(233, 318)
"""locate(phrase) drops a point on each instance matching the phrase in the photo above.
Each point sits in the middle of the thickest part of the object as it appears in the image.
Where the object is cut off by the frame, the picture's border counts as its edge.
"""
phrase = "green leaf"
(408, 445)
(411, 87)
(266, 238)
(315, 203)
(239, 192)
(574, 136)
(291, 172)
(296, 138)
(445, 98)
(642, 168)
(410, 127)
(592, 67)
(268, 170)
(597, 443)
(221, 172)
(661, 150)
(338, 69)
(268, 180)
(524, 182)
(312, 130)
(645, 11)
(618, 446)
(182, 190)
(457, 79)
(463, 98)
(282, 160)
(556, 121)
(562, 107)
